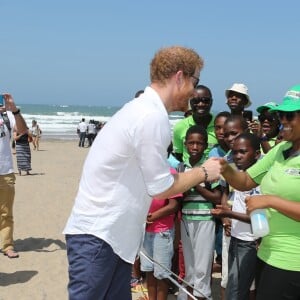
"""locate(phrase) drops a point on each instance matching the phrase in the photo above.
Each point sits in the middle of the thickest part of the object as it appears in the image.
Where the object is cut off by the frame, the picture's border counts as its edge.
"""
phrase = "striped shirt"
(195, 207)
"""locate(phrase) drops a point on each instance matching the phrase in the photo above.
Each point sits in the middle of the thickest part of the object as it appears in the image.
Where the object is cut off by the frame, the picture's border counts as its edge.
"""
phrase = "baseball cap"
(266, 106)
(291, 100)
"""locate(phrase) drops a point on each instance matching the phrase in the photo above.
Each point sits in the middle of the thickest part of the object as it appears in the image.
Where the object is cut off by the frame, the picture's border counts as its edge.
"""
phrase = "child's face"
(219, 128)
(195, 145)
(244, 156)
(231, 131)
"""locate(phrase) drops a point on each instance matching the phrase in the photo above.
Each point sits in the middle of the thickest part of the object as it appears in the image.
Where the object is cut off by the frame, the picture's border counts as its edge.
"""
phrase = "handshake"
(213, 168)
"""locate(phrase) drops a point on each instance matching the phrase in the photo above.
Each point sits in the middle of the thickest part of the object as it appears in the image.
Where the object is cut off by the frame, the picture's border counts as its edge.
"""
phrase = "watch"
(16, 112)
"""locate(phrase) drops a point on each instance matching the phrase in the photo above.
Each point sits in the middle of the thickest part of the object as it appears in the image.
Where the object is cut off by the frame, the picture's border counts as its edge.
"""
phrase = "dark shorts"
(95, 271)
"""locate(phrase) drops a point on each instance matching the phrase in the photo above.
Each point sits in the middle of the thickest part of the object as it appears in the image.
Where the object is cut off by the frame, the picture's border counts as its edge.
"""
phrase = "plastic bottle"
(259, 223)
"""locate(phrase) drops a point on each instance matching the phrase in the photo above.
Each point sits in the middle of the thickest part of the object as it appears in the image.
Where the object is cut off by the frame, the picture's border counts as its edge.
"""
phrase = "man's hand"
(213, 169)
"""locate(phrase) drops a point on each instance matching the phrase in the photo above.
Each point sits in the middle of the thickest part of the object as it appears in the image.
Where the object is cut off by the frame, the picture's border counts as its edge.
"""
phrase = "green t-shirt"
(180, 130)
(280, 177)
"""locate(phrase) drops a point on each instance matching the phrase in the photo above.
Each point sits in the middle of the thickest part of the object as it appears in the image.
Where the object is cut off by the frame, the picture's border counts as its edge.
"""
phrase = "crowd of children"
(212, 216)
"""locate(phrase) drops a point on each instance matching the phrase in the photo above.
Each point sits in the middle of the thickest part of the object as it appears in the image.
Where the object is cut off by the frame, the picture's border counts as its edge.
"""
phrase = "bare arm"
(16, 136)
(226, 222)
(186, 180)
(224, 211)
(168, 209)
(289, 208)
(213, 195)
(238, 180)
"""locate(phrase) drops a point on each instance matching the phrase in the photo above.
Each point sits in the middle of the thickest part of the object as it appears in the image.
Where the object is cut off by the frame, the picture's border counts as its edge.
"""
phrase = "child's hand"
(255, 128)
(227, 226)
(148, 221)
(220, 211)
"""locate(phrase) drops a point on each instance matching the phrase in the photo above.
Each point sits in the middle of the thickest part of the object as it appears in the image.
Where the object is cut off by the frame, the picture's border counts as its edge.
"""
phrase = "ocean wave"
(59, 121)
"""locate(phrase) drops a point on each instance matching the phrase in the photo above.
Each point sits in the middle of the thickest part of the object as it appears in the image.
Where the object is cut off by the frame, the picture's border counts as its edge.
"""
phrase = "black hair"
(240, 119)
(197, 129)
(204, 87)
(251, 138)
(225, 114)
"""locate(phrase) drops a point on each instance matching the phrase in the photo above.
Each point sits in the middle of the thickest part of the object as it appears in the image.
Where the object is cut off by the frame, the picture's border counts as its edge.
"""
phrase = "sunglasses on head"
(288, 115)
(205, 100)
(269, 118)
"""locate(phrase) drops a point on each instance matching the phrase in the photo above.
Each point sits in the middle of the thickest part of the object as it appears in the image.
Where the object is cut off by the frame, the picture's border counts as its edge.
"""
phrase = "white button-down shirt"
(126, 165)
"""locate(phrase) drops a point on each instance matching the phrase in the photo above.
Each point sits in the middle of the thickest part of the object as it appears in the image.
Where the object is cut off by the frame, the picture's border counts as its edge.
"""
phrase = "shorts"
(159, 246)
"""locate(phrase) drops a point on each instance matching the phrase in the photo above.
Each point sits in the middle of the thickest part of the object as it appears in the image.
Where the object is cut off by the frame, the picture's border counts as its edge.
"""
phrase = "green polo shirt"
(280, 177)
(180, 130)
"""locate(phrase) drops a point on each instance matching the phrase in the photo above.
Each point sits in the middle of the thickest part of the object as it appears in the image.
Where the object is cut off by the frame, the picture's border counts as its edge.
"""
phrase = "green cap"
(291, 100)
(266, 106)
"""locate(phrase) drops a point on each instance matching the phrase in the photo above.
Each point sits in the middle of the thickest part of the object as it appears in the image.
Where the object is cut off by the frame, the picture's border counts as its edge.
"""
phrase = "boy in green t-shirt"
(198, 225)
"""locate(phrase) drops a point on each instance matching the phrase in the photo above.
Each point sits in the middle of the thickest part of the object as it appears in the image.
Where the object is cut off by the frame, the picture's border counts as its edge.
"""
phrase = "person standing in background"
(201, 104)
(91, 132)
(125, 168)
(81, 130)
(238, 99)
(36, 135)
(23, 151)
(268, 126)
(243, 244)
(10, 116)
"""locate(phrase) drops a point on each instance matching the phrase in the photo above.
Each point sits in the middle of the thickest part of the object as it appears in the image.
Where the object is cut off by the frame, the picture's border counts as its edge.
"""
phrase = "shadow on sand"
(39, 245)
(16, 277)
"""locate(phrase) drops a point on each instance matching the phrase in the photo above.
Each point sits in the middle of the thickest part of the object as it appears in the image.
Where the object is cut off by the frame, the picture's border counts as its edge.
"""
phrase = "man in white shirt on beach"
(10, 116)
(125, 168)
(82, 130)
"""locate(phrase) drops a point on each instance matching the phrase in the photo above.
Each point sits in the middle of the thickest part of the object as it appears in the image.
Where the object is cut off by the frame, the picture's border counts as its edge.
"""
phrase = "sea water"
(60, 121)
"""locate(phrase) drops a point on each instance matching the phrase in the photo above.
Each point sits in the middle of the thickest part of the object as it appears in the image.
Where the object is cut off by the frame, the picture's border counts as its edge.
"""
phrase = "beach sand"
(42, 205)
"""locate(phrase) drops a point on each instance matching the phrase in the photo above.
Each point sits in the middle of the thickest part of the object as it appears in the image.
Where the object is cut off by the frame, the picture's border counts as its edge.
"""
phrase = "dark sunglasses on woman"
(263, 117)
(288, 115)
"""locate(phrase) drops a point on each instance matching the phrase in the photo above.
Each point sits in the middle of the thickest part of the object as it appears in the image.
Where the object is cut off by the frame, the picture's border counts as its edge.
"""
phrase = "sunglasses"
(269, 118)
(204, 100)
(288, 115)
(196, 80)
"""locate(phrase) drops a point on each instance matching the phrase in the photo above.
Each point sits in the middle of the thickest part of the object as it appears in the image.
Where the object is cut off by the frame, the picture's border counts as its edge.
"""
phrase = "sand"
(42, 205)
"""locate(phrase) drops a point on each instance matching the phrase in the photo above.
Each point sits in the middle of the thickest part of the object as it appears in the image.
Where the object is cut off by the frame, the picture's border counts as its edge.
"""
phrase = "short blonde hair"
(168, 61)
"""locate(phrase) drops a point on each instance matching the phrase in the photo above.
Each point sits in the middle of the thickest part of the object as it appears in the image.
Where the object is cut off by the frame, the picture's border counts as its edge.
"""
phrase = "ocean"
(60, 121)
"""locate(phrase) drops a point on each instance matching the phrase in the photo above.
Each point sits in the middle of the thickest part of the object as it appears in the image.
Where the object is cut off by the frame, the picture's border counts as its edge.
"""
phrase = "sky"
(96, 52)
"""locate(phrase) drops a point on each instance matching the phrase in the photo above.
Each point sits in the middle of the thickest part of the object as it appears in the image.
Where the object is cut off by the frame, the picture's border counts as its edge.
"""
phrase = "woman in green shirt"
(278, 174)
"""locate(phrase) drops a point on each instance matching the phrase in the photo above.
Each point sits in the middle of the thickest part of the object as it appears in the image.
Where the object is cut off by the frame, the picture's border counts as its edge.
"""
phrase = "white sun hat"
(241, 89)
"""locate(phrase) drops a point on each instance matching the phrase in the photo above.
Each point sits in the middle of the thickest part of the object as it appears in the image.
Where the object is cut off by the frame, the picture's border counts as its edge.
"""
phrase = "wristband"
(16, 112)
(205, 173)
